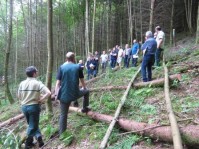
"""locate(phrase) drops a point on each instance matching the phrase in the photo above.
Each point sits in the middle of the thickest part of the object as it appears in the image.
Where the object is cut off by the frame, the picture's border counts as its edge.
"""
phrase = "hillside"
(142, 105)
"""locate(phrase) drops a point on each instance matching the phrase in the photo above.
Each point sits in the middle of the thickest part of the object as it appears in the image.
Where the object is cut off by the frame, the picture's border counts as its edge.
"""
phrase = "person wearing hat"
(67, 88)
(32, 93)
(160, 38)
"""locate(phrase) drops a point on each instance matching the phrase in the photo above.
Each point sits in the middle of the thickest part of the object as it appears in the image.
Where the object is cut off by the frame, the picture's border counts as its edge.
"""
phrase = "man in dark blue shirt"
(149, 48)
(67, 88)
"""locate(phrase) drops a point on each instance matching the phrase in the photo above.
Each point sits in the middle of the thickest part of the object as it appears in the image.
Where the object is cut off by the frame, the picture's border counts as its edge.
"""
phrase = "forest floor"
(142, 105)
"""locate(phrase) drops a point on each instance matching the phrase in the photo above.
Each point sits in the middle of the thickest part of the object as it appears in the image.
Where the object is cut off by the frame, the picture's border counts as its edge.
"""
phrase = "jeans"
(113, 63)
(91, 72)
(157, 56)
(146, 69)
(126, 61)
(31, 113)
(134, 62)
(104, 66)
(64, 110)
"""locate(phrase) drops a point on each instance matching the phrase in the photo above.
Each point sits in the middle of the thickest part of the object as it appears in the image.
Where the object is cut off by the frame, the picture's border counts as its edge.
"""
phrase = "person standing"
(32, 93)
(104, 59)
(67, 88)
(127, 55)
(113, 58)
(149, 48)
(119, 57)
(160, 38)
(91, 66)
(134, 52)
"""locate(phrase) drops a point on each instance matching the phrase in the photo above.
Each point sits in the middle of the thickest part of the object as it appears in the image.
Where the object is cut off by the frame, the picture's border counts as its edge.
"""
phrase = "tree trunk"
(171, 23)
(197, 32)
(141, 36)
(86, 30)
(151, 15)
(188, 10)
(190, 133)
(114, 120)
(93, 26)
(50, 55)
(16, 52)
(174, 126)
(7, 55)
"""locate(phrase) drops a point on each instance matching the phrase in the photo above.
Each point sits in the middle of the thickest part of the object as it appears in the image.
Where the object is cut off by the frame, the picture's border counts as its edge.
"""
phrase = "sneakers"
(85, 110)
(40, 141)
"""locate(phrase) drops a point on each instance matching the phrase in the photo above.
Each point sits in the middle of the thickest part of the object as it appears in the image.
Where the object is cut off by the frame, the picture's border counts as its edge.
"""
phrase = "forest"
(125, 112)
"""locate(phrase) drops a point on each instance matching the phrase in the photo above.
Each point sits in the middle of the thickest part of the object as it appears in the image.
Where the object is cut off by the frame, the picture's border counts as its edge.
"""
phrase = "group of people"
(32, 92)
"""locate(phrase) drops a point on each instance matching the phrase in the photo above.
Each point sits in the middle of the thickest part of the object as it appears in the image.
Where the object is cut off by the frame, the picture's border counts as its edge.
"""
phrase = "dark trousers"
(113, 63)
(91, 72)
(134, 62)
(64, 110)
(31, 113)
(146, 69)
(157, 56)
(104, 67)
(126, 61)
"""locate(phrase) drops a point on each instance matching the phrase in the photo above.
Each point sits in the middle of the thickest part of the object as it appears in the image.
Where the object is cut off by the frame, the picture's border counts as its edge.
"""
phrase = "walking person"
(149, 48)
(32, 93)
(67, 88)
(160, 38)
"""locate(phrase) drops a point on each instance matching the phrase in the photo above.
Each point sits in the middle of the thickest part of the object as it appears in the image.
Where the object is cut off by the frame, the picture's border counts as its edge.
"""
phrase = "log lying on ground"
(177, 142)
(117, 112)
(12, 120)
(158, 82)
(190, 134)
(95, 79)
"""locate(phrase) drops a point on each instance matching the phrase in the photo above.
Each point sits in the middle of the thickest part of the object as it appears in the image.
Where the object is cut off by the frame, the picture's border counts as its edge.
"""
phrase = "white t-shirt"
(160, 35)
(104, 58)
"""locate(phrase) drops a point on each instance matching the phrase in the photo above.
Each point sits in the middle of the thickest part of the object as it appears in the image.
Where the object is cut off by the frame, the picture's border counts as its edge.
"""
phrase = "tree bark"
(93, 26)
(141, 38)
(197, 32)
(190, 133)
(174, 126)
(151, 15)
(11, 120)
(86, 30)
(7, 55)
(171, 23)
(114, 120)
(50, 56)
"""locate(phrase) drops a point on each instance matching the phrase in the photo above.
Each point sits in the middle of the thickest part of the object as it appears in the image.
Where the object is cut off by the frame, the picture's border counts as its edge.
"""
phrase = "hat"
(31, 69)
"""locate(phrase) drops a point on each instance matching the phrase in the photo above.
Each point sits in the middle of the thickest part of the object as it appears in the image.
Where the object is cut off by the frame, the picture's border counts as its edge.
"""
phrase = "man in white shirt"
(104, 59)
(160, 38)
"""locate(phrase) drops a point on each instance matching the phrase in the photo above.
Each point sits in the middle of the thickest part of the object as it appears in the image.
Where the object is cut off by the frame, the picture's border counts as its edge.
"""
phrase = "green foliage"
(8, 140)
(49, 130)
(148, 109)
(126, 142)
(66, 137)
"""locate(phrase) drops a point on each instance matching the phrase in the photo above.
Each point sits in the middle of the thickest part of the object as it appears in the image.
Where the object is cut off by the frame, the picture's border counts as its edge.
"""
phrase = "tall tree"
(171, 23)
(93, 25)
(86, 30)
(141, 38)
(197, 32)
(151, 15)
(7, 55)
(50, 55)
(188, 10)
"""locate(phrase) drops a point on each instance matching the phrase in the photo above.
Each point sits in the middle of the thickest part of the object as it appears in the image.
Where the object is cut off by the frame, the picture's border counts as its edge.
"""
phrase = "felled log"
(158, 82)
(95, 79)
(117, 112)
(177, 142)
(12, 120)
(190, 133)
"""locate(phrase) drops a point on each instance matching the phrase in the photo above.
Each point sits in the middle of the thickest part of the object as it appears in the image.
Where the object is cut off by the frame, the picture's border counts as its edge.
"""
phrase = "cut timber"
(117, 112)
(158, 82)
(95, 79)
(11, 120)
(190, 133)
(177, 142)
